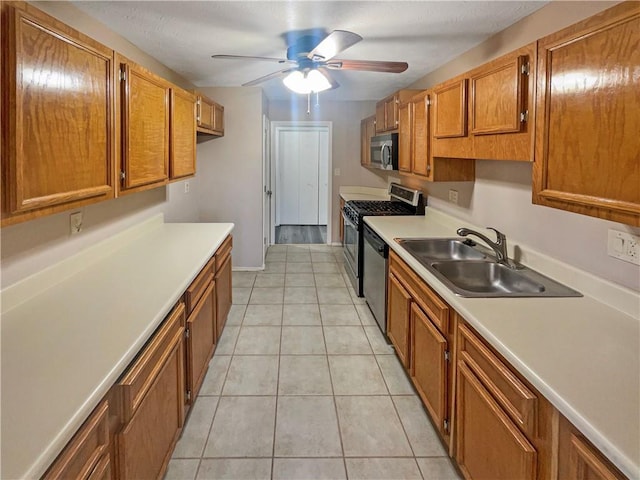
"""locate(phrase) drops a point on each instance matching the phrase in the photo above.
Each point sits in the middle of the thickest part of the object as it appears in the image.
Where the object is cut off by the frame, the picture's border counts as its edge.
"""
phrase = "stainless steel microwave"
(384, 151)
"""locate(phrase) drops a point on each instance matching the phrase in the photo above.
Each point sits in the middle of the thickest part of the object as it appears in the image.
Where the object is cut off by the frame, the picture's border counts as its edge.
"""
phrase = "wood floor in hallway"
(301, 234)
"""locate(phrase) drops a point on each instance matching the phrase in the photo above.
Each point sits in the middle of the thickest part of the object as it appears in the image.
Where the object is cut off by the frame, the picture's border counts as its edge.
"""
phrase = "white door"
(266, 183)
(301, 190)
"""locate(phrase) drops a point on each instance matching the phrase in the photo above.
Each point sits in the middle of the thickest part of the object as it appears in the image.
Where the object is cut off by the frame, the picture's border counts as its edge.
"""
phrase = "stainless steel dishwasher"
(376, 252)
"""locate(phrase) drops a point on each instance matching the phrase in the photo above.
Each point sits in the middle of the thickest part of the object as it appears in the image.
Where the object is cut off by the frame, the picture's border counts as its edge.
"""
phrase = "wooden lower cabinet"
(429, 367)
(223, 290)
(488, 445)
(152, 393)
(87, 455)
(579, 460)
(201, 340)
(398, 318)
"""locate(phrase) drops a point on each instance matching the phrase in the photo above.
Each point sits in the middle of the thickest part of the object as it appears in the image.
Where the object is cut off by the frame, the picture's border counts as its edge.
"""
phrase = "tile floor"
(303, 386)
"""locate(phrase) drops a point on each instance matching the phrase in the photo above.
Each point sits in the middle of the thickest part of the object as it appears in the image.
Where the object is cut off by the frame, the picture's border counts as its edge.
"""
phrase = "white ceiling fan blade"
(277, 74)
(334, 43)
(243, 57)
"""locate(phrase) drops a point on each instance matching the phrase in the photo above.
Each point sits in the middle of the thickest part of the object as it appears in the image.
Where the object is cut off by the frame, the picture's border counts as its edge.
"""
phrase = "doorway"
(302, 162)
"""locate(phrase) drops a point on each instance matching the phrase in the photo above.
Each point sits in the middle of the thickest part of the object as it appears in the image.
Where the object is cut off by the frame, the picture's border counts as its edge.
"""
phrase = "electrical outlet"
(186, 187)
(624, 246)
(453, 196)
(336, 172)
(75, 222)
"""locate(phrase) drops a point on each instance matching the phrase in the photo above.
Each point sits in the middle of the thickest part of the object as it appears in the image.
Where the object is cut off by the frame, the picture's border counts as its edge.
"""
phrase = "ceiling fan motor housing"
(301, 48)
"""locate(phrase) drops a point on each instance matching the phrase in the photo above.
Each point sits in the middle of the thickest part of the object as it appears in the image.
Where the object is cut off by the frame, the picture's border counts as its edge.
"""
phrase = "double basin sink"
(470, 270)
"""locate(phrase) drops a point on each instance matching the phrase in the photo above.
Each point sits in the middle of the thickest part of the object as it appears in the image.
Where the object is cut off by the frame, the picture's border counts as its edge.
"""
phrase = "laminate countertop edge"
(64, 348)
(580, 353)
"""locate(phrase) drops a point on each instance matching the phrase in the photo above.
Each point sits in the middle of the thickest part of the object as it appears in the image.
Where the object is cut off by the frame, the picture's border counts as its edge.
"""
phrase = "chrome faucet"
(499, 246)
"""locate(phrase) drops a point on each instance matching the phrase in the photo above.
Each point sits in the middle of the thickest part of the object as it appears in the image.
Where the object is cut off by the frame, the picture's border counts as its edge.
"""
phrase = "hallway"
(303, 386)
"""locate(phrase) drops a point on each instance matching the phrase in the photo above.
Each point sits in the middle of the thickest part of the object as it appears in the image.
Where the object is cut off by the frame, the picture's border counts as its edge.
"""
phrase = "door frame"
(301, 126)
(267, 201)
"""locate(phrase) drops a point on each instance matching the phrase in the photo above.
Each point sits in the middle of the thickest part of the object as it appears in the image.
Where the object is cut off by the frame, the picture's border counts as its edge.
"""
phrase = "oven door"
(350, 249)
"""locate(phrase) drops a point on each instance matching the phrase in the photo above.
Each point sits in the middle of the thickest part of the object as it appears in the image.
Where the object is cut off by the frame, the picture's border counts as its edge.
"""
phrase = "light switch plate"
(75, 222)
(624, 246)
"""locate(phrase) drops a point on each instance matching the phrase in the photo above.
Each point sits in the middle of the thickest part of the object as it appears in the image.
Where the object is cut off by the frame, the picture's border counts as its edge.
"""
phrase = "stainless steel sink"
(470, 271)
(441, 249)
(487, 277)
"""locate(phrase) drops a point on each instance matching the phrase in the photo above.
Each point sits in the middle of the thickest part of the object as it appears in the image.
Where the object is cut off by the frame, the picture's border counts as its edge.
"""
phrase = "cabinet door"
(183, 134)
(381, 121)
(588, 118)
(223, 293)
(57, 116)
(145, 103)
(497, 97)
(429, 351)
(420, 154)
(488, 444)
(200, 341)
(87, 451)
(450, 109)
(145, 444)
(205, 113)
(404, 137)
(365, 154)
(391, 113)
(398, 318)
(218, 118)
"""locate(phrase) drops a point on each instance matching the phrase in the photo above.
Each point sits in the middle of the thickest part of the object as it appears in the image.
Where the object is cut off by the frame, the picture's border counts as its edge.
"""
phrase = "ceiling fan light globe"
(307, 82)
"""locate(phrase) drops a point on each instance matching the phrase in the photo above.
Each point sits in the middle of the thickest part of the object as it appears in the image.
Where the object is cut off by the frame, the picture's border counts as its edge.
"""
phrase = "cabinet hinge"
(428, 101)
(188, 395)
(123, 75)
(122, 175)
(447, 356)
(525, 68)
(445, 424)
(187, 332)
(524, 116)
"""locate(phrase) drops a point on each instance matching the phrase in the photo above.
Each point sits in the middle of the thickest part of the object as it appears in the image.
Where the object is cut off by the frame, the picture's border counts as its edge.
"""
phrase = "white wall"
(230, 172)
(501, 194)
(34, 245)
(345, 117)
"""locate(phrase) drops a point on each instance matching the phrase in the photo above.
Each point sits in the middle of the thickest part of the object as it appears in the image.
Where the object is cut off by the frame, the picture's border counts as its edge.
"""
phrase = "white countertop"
(582, 354)
(69, 332)
(348, 193)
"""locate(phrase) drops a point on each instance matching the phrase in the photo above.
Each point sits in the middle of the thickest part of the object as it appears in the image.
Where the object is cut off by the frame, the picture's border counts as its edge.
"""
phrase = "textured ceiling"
(184, 34)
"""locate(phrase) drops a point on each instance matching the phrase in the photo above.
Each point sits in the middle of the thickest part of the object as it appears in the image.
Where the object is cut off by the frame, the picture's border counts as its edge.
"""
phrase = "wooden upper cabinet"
(209, 116)
(497, 96)
(58, 135)
(144, 100)
(387, 110)
(183, 134)
(420, 135)
(367, 130)
(450, 109)
(405, 116)
(588, 104)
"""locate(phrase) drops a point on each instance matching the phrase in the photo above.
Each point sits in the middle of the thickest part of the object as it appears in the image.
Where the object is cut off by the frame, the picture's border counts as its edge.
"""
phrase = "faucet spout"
(499, 247)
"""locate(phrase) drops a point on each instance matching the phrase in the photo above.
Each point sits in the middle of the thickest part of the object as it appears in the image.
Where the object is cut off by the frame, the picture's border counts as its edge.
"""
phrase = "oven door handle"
(348, 221)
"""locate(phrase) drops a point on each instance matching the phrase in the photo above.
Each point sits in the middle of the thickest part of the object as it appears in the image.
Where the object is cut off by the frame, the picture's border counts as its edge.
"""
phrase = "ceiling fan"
(312, 57)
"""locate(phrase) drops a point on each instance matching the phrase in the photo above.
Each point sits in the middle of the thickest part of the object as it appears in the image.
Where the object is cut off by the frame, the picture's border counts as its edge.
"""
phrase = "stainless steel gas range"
(404, 201)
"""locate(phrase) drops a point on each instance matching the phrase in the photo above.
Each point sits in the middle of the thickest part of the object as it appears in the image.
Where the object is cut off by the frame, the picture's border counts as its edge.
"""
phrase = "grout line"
(275, 418)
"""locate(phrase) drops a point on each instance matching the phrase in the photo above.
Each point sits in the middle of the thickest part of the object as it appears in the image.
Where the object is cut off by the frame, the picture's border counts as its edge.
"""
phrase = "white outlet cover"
(624, 246)
(75, 223)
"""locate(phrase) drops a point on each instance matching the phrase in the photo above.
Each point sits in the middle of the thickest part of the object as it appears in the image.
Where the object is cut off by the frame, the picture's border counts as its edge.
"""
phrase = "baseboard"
(248, 269)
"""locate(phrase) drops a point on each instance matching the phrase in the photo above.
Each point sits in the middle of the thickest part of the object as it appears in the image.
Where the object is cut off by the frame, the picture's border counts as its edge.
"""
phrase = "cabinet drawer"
(514, 397)
(428, 300)
(199, 285)
(223, 252)
(137, 381)
(102, 470)
(87, 449)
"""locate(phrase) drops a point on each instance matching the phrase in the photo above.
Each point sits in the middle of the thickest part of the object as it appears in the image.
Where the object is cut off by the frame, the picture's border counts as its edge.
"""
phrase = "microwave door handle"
(386, 160)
